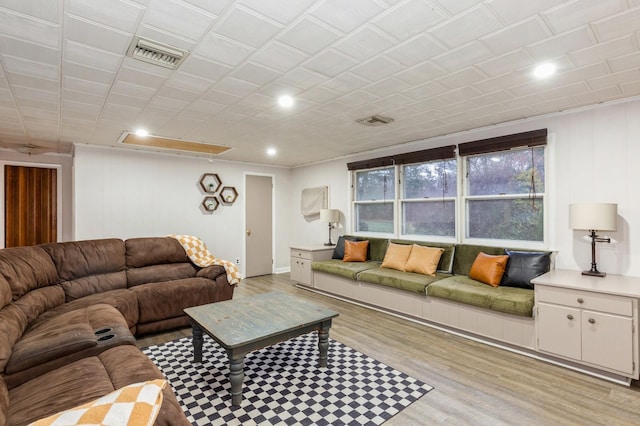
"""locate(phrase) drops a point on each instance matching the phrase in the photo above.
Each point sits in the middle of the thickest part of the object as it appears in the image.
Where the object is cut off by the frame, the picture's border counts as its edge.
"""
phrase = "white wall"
(592, 156)
(124, 193)
(65, 186)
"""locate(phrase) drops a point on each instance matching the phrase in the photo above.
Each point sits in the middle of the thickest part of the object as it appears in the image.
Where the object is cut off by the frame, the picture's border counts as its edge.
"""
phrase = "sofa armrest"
(211, 272)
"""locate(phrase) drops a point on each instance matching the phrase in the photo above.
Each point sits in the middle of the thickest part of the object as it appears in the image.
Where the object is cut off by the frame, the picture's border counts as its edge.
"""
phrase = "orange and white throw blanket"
(201, 256)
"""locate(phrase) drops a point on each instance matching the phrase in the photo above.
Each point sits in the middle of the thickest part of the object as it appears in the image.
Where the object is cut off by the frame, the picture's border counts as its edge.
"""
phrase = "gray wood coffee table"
(249, 323)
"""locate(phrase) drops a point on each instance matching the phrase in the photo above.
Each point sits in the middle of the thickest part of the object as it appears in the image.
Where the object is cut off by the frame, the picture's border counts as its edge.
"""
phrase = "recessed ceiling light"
(271, 152)
(285, 101)
(142, 132)
(544, 70)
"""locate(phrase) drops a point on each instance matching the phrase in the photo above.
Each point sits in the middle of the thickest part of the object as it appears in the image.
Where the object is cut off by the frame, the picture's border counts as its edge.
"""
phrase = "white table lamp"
(594, 217)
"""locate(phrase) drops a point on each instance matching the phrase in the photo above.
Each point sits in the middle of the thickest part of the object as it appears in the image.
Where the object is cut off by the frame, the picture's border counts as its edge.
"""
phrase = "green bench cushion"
(510, 300)
(343, 269)
(408, 281)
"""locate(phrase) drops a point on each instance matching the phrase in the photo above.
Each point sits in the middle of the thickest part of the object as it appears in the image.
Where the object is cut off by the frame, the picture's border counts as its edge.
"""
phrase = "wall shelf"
(210, 203)
(210, 183)
(228, 195)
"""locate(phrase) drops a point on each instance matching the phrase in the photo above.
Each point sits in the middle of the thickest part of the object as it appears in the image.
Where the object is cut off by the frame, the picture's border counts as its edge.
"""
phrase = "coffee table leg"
(197, 342)
(323, 342)
(236, 377)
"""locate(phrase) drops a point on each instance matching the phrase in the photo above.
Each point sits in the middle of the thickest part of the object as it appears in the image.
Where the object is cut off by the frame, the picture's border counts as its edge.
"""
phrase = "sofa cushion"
(523, 266)
(14, 323)
(445, 264)
(4, 402)
(338, 251)
(149, 251)
(343, 269)
(423, 260)
(510, 300)
(396, 256)
(5, 292)
(488, 269)
(355, 251)
(407, 281)
(26, 269)
(161, 272)
(466, 254)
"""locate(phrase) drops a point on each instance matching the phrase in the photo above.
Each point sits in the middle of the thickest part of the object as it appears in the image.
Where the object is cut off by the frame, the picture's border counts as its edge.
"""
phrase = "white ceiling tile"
(117, 14)
(580, 74)
(320, 94)
(463, 28)
(596, 96)
(33, 30)
(177, 94)
(120, 99)
(386, 87)
(309, 36)
(510, 11)
(504, 81)
(456, 6)
(205, 107)
(425, 91)
(377, 68)
(623, 77)
(492, 98)
(133, 90)
(222, 98)
(141, 78)
(96, 35)
(346, 82)
(283, 11)
(37, 104)
(516, 36)
(213, 6)
(625, 62)
(599, 52)
(618, 25)
(346, 16)
(47, 10)
(255, 73)
(276, 89)
(72, 95)
(506, 63)
(235, 87)
(464, 56)
(35, 83)
(575, 14)
(223, 50)
(121, 113)
(182, 80)
(562, 44)
(465, 77)
(32, 68)
(178, 18)
(415, 50)
(460, 94)
(86, 55)
(42, 116)
(420, 73)
(87, 73)
(409, 18)
(391, 102)
(204, 68)
(167, 104)
(364, 44)
(34, 52)
(170, 39)
(259, 100)
(357, 98)
(248, 28)
(330, 63)
(279, 56)
(85, 110)
(85, 86)
(302, 78)
(631, 89)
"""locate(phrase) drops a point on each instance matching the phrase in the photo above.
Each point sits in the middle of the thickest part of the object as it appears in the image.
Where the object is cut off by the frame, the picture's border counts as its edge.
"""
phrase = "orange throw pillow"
(488, 269)
(423, 260)
(396, 256)
(355, 251)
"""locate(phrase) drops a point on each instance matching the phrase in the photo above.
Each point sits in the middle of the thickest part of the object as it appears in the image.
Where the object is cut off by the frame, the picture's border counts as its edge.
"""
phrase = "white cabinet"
(301, 258)
(589, 320)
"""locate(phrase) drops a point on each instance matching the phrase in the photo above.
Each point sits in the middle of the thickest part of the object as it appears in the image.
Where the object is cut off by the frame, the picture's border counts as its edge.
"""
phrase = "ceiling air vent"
(375, 120)
(156, 53)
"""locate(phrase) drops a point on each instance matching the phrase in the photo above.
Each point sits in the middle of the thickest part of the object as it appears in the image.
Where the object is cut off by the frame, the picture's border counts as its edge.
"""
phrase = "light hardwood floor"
(474, 383)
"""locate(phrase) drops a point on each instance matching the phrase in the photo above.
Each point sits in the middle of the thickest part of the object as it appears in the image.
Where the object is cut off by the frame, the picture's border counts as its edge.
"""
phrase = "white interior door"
(259, 225)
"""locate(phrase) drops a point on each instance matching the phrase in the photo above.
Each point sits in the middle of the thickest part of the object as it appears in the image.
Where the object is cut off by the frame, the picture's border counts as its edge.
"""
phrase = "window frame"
(355, 202)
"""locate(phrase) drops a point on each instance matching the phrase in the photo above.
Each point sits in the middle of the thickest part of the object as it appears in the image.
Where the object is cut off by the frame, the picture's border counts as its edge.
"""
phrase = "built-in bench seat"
(449, 297)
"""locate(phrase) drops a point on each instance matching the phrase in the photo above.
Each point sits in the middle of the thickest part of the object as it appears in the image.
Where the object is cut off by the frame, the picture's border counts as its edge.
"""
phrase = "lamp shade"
(330, 215)
(593, 216)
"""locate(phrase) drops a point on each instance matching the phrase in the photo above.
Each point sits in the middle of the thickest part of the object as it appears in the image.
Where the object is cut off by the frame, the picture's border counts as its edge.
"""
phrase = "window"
(429, 198)
(505, 191)
(375, 200)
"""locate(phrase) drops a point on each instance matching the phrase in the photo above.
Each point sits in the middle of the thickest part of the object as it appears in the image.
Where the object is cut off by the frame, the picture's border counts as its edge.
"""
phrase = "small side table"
(301, 258)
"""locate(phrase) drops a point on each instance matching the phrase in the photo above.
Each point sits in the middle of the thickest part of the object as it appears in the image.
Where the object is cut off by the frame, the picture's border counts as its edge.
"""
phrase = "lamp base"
(595, 273)
(329, 244)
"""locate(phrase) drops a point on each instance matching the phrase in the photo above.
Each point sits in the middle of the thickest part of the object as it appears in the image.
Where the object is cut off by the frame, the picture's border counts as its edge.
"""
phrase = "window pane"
(509, 219)
(506, 172)
(430, 180)
(375, 184)
(429, 218)
(374, 217)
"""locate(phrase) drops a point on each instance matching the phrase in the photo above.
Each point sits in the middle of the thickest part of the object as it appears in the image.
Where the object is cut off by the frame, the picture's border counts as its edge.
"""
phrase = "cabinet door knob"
(580, 300)
(592, 321)
(570, 317)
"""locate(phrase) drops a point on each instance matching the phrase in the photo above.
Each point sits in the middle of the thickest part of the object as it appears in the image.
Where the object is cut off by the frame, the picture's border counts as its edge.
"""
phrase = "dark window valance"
(503, 143)
(441, 153)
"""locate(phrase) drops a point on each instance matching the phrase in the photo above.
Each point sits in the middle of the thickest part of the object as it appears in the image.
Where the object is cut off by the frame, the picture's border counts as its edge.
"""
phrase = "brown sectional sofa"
(69, 313)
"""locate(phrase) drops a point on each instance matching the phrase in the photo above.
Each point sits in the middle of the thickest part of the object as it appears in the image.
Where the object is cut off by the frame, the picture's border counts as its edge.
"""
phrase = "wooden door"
(30, 206)
(259, 222)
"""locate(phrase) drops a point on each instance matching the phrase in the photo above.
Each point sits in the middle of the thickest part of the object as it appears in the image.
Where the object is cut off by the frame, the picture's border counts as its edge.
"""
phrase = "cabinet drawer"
(302, 254)
(585, 299)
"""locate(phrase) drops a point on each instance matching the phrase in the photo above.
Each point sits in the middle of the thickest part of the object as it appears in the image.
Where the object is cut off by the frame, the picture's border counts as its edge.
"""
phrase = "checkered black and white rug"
(284, 385)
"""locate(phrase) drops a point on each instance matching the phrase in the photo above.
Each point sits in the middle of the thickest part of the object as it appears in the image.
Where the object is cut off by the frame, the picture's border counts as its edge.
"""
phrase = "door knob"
(249, 232)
